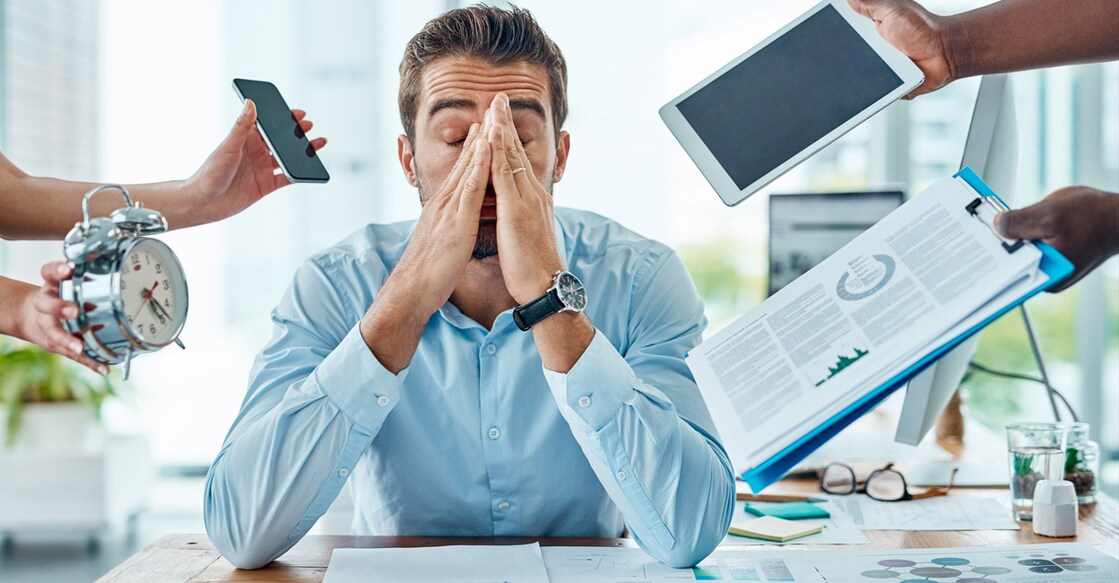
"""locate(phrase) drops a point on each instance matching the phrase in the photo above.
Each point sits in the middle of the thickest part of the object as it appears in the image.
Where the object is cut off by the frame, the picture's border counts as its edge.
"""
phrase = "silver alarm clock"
(130, 289)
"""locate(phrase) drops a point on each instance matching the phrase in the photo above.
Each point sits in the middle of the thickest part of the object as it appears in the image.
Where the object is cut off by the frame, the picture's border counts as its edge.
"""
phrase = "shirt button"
(494, 433)
(584, 401)
(491, 349)
(384, 400)
(344, 472)
(504, 507)
(621, 476)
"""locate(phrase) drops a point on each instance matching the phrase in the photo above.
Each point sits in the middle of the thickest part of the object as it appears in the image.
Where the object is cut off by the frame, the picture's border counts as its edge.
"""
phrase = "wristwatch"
(566, 295)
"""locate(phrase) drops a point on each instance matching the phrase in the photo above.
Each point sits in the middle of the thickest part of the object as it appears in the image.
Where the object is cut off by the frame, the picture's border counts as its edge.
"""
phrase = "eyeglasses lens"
(886, 485)
(838, 480)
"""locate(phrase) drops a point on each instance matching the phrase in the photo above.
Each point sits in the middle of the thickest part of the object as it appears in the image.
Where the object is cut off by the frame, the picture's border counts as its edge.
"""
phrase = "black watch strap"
(529, 314)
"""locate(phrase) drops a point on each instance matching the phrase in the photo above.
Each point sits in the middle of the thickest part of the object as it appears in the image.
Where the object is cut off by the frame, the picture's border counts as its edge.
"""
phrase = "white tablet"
(796, 92)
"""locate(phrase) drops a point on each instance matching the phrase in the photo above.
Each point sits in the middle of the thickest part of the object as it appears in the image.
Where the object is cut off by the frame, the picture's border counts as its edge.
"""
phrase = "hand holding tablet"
(796, 92)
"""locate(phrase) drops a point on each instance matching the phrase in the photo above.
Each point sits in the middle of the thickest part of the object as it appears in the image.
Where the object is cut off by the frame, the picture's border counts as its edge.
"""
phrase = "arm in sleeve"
(317, 396)
(643, 426)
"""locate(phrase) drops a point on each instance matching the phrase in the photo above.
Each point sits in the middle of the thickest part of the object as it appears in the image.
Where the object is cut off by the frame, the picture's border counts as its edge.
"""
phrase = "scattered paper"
(449, 564)
(838, 529)
(1034, 563)
(630, 565)
(941, 513)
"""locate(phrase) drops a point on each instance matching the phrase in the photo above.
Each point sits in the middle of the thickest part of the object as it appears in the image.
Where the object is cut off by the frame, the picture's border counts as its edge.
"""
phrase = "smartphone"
(281, 132)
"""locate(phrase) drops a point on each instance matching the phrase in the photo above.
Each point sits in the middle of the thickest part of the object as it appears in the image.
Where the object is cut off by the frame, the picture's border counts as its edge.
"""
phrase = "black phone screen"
(282, 132)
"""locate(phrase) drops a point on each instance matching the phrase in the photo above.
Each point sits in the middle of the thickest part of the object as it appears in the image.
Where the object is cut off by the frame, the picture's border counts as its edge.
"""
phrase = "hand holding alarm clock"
(130, 289)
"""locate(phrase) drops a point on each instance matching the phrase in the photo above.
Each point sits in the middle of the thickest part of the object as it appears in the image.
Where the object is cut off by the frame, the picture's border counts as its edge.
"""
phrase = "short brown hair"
(498, 36)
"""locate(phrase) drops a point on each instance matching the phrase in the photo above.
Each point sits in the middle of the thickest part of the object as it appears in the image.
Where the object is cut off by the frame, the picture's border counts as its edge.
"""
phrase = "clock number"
(151, 328)
(135, 259)
(123, 284)
(162, 320)
(166, 302)
(147, 259)
(159, 268)
(166, 285)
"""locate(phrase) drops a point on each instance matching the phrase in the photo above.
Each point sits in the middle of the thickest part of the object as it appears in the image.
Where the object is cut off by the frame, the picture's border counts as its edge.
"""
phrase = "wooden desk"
(191, 558)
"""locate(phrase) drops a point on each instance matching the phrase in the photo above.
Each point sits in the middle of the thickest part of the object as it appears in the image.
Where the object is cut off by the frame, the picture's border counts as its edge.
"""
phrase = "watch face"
(571, 292)
(153, 292)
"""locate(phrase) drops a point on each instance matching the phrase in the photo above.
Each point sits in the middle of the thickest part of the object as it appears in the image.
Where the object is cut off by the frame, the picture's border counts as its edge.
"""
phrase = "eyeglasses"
(885, 484)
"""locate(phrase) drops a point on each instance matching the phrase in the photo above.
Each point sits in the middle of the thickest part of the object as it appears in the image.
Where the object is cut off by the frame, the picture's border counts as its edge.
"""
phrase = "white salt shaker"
(1055, 512)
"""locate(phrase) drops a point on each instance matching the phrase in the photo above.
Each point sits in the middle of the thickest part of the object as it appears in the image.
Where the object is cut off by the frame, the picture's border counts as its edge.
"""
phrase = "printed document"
(449, 564)
(941, 513)
(926, 272)
(630, 565)
(1041, 563)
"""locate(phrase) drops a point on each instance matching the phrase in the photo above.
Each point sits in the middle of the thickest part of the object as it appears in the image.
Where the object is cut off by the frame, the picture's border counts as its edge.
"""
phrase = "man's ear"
(563, 147)
(407, 159)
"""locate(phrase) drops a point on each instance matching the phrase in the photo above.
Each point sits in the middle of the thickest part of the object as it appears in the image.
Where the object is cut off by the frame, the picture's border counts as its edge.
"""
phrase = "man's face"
(454, 93)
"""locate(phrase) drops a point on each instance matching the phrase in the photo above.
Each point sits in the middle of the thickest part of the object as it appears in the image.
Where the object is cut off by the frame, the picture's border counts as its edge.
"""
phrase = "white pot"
(67, 426)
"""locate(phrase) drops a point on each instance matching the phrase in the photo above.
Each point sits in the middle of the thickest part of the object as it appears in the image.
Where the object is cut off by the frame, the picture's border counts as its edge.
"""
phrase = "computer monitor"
(805, 229)
(991, 151)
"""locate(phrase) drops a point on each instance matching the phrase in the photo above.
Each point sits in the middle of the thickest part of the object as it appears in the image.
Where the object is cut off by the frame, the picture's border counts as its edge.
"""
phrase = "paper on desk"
(839, 529)
(630, 565)
(449, 564)
(941, 513)
(1035, 563)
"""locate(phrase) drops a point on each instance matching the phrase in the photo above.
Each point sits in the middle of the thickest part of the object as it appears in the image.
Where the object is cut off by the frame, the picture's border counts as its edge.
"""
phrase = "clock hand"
(160, 310)
(147, 295)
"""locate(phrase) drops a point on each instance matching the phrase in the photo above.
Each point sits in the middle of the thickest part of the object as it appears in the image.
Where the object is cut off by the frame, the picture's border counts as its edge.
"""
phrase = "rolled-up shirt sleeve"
(317, 396)
(637, 414)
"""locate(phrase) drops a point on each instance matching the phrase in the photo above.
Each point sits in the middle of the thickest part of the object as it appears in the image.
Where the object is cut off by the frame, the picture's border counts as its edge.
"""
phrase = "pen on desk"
(743, 496)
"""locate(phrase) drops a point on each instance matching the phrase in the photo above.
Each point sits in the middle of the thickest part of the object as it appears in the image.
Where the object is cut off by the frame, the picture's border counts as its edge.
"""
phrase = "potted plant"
(62, 473)
(53, 399)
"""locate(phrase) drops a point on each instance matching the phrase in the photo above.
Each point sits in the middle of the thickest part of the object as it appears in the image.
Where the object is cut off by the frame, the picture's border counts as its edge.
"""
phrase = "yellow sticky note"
(774, 529)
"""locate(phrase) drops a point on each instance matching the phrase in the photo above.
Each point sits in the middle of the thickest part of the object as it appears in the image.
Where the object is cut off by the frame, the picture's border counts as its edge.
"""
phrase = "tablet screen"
(785, 97)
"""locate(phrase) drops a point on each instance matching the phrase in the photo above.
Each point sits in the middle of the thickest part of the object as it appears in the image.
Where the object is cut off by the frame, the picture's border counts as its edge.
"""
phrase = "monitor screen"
(785, 97)
(805, 229)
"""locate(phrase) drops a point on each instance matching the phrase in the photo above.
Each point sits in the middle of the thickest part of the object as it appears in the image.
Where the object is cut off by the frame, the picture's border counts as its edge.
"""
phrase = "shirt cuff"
(595, 388)
(353, 378)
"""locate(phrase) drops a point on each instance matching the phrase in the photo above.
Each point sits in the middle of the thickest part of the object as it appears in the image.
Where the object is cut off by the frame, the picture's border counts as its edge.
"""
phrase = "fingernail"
(70, 312)
(103, 369)
(244, 110)
(63, 269)
(76, 347)
(479, 146)
(502, 103)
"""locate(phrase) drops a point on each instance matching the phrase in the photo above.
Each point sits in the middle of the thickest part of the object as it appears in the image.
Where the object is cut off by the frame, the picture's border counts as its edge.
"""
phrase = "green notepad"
(787, 510)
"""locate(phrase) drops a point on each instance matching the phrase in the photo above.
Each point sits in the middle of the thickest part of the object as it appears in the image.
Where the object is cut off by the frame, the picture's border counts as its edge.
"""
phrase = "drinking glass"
(1036, 452)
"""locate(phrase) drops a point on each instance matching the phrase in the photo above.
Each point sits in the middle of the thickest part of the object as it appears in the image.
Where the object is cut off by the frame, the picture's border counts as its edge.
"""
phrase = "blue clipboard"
(1055, 265)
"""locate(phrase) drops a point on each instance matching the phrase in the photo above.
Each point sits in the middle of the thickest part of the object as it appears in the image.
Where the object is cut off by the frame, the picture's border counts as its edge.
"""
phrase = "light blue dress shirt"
(475, 437)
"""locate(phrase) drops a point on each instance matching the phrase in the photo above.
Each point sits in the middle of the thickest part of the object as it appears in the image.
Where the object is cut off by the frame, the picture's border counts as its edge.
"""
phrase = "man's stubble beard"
(485, 246)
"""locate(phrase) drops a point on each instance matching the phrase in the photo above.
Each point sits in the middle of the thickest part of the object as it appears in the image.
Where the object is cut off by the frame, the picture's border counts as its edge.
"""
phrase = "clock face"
(571, 292)
(153, 292)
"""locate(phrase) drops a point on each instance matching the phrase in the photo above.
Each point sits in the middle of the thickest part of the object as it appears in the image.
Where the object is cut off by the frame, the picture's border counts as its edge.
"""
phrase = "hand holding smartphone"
(282, 133)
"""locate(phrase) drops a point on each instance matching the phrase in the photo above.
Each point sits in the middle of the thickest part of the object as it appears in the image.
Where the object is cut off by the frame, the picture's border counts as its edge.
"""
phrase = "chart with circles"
(1025, 563)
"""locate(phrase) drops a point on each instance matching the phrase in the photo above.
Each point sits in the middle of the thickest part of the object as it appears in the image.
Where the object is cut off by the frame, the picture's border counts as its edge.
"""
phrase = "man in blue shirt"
(456, 368)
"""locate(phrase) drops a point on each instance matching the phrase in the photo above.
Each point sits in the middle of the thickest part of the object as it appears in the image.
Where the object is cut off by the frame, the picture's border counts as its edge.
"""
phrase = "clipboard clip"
(985, 209)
